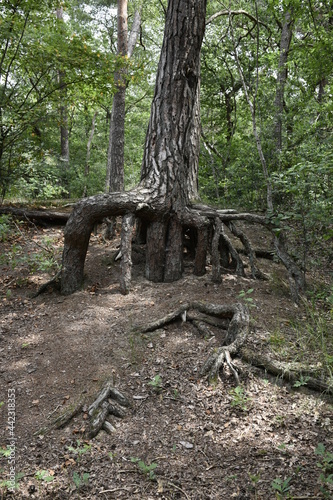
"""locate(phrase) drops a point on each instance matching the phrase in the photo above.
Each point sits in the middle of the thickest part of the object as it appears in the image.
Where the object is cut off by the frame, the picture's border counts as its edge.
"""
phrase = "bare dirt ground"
(194, 441)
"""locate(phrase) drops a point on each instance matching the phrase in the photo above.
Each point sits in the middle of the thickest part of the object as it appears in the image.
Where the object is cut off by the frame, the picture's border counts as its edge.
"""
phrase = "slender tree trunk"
(286, 36)
(87, 166)
(115, 159)
(115, 155)
(63, 111)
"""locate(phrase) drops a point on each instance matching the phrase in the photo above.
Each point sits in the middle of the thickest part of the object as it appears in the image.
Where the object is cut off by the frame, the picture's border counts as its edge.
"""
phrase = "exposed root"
(53, 284)
(109, 401)
(99, 410)
(126, 253)
(216, 259)
(255, 271)
(234, 317)
(233, 252)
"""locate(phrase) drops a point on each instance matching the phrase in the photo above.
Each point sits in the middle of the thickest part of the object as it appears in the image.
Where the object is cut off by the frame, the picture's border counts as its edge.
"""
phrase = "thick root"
(234, 318)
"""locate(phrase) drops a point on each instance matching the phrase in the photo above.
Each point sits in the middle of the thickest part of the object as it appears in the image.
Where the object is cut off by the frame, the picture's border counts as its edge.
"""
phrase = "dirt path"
(207, 442)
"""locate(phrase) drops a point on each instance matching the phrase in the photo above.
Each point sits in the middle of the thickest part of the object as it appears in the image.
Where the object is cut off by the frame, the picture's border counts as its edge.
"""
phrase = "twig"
(179, 489)
(113, 491)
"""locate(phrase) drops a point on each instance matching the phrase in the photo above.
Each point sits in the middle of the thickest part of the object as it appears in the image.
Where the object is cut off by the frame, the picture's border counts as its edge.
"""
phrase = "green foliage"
(44, 260)
(43, 475)
(239, 398)
(281, 487)
(326, 466)
(156, 382)
(5, 452)
(7, 484)
(302, 381)
(313, 334)
(245, 295)
(147, 469)
(80, 449)
(80, 479)
(6, 227)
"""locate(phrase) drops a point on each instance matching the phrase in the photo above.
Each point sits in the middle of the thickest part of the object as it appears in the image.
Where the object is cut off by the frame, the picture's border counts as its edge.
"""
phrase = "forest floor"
(193, 440)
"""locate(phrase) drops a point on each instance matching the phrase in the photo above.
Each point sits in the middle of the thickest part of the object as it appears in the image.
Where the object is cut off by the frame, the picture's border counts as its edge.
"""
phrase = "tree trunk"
(87, 166)
(170, 163)
(115, 159)
(286, 36)
(169, 169)
(64, 132)
(115, 156)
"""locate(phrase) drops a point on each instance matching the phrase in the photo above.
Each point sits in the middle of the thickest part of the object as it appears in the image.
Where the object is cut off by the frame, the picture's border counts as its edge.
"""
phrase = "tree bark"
(286, 36)
(87, 166)
(64, 132)
(115, 158)
(125, 47)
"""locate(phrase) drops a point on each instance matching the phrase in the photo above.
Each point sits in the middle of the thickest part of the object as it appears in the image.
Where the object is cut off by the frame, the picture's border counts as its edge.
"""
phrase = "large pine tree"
(169, 170)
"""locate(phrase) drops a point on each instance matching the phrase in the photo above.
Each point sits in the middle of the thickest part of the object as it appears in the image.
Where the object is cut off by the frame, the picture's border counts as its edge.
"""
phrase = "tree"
(168, 179)
(64, 132)
(164, 198)
(115, 157)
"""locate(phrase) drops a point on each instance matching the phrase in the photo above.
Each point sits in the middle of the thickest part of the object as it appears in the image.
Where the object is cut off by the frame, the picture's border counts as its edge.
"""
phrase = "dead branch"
(288, 371)
(38, 216)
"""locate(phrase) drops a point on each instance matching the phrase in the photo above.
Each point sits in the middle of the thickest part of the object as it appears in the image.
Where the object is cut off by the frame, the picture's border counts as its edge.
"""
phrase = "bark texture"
(172, 142)
(286, 36)
(115, 158)
(63, 111)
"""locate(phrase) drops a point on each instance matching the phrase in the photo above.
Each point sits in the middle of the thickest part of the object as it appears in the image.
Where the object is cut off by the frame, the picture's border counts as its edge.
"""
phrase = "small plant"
(280, 420)
(281, 487)
(43, 475)
(5, 452)
(302, 381)
(144, 468)
(245, 295)
(277, 340)
(80, 480)
(6, 228)
(8, 484)
(239, 398)
(255, 478)
(79, 450)
(2, 403)
(156, 382)
(326, 466)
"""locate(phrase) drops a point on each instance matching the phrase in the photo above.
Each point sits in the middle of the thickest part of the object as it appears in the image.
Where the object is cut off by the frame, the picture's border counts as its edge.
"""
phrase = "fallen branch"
(38, 216)
(288, 371)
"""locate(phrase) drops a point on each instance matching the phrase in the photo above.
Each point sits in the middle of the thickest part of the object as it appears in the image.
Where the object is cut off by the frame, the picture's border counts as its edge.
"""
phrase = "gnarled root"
(234, 318)
(109, 401)
(99, 410)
